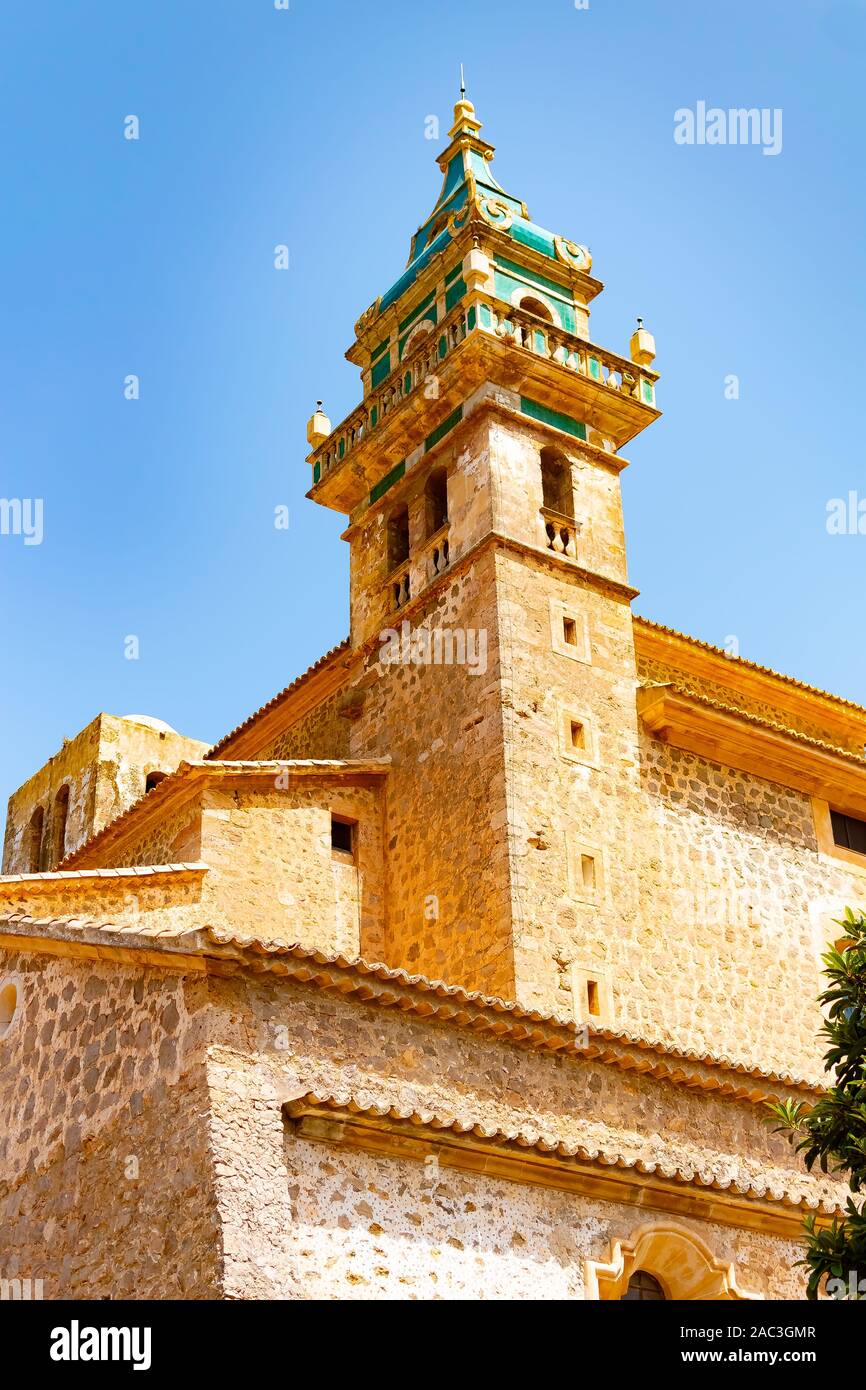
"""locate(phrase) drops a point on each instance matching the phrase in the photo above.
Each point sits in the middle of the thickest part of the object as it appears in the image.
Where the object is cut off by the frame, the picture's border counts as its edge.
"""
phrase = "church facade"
(465, 967)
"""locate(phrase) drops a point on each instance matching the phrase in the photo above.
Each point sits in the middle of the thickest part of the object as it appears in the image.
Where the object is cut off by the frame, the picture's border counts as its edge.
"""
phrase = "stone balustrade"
(533, 334)
(401, 585)
(413, 372)
(559, 532)
(518, 328)
(437, 553)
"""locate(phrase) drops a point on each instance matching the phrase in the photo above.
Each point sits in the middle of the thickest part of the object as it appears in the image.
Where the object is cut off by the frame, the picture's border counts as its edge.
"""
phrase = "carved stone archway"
(682, 1263)
(421, 330)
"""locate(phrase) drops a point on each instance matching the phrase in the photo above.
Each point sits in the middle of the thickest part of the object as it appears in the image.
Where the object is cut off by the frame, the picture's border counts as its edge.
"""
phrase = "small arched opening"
(417, 335)
(530, 305)
(436, 501)
(398, 538)
(643, 1287)
(59, 818)
(557, 489)
(663, 1260)
(153, 779)
(35, 830)
(8, 1005)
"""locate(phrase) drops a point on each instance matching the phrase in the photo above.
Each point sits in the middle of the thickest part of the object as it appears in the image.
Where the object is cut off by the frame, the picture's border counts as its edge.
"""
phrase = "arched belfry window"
(436, 499)
(556, 483)
(34, 840)
(420, 331)
(643, 1287)
(398, 538)
(537, 307)
(59, 818)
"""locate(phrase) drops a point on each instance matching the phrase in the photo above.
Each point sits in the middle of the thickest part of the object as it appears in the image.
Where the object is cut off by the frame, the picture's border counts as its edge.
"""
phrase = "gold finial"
(464, 112)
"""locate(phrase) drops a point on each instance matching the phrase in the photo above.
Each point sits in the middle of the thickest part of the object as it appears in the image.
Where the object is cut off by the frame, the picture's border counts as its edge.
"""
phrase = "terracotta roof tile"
(758, 721)
(701, 1169)
(58, 877)
(49, 926)
(313, 967)
(752, 665)
(281, 695)
(510, 1008)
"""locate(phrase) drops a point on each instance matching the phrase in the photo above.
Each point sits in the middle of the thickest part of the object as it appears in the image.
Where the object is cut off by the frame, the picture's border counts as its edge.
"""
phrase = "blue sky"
(307, 127)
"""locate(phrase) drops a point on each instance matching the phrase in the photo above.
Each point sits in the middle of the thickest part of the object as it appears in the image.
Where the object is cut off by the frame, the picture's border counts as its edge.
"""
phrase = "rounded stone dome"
(148, 719)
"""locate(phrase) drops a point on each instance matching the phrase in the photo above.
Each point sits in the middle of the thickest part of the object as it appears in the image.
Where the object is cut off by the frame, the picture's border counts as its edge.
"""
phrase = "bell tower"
(480, 476)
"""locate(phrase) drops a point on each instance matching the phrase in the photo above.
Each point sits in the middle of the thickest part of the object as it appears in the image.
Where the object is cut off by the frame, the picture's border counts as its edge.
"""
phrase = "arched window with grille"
(643, 1287)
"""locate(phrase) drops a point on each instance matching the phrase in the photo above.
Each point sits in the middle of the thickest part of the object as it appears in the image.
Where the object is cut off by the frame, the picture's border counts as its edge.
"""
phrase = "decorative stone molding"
(683, 1264)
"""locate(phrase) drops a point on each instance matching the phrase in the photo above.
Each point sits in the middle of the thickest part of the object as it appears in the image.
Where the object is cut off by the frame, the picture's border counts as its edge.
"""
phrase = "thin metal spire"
(462, 83)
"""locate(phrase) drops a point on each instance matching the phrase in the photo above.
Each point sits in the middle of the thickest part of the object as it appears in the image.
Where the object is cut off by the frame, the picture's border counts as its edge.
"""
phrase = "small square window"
(577, 739)
(343, 836)
(591, 993)
(593, 1005)
(569, 631)
(585, 872)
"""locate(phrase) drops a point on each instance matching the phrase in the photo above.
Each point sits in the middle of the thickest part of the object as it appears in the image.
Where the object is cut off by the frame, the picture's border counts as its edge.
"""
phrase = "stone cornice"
(751, 744)
(656, 643)
(530, 1156)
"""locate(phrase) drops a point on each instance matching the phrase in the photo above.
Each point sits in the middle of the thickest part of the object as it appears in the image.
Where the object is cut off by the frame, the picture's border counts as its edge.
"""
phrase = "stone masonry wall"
(307, 1220)
(712, 905)
(274, 873)
(447, 898)
(75, 765)
(105, 1164)
(128, 751)
(145, 1152)
(322, 732)
(105, 768)
(176, 839)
